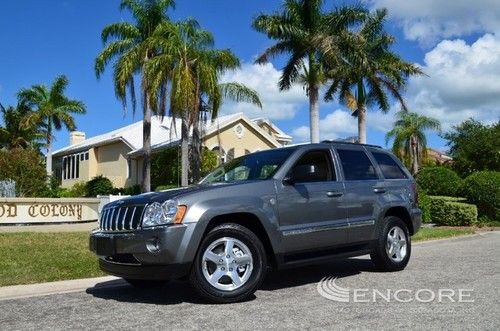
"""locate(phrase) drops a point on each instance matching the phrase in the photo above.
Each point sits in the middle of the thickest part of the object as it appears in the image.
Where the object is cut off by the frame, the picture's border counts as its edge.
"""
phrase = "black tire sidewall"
(255, 246)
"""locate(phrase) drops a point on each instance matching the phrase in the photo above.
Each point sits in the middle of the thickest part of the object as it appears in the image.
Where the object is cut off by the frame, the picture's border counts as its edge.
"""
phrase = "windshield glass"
(260, 165)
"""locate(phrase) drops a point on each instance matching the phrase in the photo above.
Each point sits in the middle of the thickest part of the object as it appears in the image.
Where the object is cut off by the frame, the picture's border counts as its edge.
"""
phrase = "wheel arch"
(249, 221)
(402, 213)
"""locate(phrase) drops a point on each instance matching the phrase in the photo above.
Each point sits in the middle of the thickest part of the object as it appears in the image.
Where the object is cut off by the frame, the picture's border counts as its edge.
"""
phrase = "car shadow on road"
(176, 292)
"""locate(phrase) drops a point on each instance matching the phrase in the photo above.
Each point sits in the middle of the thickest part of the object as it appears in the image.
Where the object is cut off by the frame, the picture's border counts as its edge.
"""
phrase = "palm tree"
(51, 110)
(408, 133)
(187, 61)
(301, 29)
(374, 72)
(126, 45)
(14, 134)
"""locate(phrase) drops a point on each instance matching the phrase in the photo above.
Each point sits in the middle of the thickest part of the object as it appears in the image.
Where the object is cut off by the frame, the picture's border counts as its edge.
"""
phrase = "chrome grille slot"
(121, 218)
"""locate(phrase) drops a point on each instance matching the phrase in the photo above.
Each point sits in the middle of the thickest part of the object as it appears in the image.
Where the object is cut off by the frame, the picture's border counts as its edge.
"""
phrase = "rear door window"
(356, 165)
(390, 169)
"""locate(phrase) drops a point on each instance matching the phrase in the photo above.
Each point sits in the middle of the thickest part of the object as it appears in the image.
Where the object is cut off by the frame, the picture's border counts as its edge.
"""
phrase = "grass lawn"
(440, 232)
(34, 257)
(30, 257)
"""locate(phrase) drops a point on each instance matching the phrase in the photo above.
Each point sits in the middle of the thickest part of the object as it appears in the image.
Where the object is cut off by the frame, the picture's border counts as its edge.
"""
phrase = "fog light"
(153, 245)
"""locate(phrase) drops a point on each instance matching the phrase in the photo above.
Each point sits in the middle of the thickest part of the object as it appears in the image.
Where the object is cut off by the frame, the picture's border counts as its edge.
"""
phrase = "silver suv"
(278, 208)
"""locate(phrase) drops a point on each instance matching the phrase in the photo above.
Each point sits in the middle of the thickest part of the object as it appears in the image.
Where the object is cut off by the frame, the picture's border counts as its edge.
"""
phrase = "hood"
(162, 196)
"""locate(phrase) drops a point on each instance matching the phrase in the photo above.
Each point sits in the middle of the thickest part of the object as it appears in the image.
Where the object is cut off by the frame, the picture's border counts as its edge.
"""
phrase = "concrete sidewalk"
(78, 227)
(65, 286)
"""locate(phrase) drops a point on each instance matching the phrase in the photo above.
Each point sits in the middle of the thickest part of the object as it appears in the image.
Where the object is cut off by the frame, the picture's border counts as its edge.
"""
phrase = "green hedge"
(452, 211)
(483, 189)
(439, 181)
(424, 203)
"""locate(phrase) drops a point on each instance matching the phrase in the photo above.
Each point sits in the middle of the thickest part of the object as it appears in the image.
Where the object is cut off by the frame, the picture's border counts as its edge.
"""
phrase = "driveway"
(290, 299)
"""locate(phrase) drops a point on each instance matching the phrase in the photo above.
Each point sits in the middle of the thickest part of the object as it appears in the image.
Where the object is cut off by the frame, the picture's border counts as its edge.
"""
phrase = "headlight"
(165, 213)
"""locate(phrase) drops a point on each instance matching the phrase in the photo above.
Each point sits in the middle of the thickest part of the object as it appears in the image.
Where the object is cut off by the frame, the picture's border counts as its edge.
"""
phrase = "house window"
(86, 156)
(230, 154)
(71, 166)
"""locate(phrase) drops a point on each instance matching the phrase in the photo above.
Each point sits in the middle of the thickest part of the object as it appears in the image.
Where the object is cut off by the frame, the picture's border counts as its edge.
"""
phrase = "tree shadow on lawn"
(176, 292)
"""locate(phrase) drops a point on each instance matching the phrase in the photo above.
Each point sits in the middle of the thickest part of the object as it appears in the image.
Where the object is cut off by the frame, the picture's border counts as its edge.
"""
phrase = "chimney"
(76, 137)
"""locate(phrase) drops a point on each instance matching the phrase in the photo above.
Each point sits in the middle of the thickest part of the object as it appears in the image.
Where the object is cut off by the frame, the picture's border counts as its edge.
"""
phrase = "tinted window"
(261, 165)
(314, 166)
(356, 165)
(390, 169)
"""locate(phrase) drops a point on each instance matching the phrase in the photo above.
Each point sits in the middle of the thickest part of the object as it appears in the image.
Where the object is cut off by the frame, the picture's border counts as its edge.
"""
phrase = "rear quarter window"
(356, 165)
(390, 169)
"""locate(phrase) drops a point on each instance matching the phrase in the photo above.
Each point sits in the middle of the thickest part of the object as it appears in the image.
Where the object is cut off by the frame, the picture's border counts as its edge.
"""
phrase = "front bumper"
(154, 253)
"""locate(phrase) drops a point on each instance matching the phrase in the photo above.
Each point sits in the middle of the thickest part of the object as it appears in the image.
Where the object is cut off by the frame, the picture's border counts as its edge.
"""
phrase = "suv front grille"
(126, 218)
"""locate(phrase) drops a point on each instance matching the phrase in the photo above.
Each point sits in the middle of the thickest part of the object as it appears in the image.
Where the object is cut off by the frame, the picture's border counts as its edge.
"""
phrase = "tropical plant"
(474, 147)
(50, 110)
(410, 143)
(373, 73)
(127, 47)
(25, 167)
(304, 32)
(14, 134)
(188, 62)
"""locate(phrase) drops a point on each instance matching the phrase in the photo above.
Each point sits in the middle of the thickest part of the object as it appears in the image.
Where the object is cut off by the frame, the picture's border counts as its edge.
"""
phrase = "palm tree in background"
(127, 47)
(303, 31)
(188, 63)
(374, 72)
(50, 110)
(410, 143)
(14, 134)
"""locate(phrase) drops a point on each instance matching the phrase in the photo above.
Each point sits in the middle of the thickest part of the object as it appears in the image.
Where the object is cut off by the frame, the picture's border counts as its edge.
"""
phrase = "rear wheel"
(393, 248)
(230, 264)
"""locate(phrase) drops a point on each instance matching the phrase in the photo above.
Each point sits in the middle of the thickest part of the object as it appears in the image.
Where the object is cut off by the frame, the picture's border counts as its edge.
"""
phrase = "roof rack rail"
(348, 143)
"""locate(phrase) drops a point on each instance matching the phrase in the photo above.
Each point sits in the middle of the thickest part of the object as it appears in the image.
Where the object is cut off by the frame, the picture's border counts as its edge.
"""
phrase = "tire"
(224, 275)
(144, 283)
(392, 257)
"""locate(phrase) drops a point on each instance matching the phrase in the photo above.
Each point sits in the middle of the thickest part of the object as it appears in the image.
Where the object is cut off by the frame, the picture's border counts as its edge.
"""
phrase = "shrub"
(27, 169)
(131, 190)
(99, 185)
(78, 190)
(438, 181)
(424, 203)
(483, 189)
(451, 211)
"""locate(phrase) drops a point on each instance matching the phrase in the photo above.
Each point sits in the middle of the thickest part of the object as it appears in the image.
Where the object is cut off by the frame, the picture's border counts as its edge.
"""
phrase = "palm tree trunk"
(146, 143)
(196, 143)
(314, 112)
(414, 156)
(48, 162)
(361, 124)
(184, 150)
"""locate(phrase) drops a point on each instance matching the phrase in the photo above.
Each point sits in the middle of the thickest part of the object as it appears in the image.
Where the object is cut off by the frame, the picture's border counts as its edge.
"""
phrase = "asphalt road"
(290, 300)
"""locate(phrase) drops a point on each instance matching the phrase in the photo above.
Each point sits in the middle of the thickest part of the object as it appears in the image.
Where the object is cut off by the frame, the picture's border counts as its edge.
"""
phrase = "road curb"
(64, 286)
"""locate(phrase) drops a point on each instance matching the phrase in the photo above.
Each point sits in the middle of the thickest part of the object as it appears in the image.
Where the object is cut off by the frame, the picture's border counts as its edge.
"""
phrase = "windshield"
(260, 165)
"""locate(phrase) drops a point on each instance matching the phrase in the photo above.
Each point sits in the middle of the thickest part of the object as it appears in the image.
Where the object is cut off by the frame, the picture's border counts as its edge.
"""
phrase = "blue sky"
(457, 47)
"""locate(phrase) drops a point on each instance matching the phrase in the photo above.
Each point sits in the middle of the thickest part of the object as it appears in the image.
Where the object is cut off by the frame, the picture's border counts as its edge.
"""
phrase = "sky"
(457, 44)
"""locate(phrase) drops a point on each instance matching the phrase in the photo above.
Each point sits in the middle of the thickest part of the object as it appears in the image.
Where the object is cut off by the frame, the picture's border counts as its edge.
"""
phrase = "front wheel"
(393, 247)
(230, 264)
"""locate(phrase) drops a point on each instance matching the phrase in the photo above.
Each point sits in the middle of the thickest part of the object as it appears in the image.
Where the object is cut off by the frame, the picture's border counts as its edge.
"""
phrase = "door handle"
(379, 190)
(334, 194)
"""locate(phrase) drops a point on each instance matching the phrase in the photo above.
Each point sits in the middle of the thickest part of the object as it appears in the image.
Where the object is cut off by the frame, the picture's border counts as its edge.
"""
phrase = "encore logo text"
(328, 289)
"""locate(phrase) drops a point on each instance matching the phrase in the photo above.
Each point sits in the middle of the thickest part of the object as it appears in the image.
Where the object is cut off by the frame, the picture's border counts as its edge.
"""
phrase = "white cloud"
(463, 81)
(276, 104)
(428, 21)
(337, 124)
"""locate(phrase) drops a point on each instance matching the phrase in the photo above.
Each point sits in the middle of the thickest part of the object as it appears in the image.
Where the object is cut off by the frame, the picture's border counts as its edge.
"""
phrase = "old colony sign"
(37, 210)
